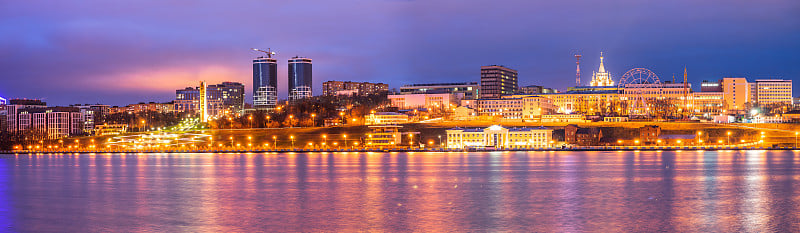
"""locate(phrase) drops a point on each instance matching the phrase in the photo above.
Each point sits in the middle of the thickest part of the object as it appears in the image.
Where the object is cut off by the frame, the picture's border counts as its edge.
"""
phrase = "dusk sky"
(123, 52)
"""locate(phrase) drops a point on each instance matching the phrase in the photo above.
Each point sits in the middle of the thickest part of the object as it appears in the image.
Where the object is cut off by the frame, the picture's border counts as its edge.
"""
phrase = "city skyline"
(113, 55)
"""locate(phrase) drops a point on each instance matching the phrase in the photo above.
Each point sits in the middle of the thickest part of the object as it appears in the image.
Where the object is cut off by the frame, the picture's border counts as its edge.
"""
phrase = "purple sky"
(122, 52)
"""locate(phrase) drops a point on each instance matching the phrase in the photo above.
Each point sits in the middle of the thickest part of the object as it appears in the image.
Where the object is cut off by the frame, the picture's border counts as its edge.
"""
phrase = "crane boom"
(268, 52)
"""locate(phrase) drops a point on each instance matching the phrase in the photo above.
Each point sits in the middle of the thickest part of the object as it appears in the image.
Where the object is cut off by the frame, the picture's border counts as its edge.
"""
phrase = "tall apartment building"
(497, 81)
(736, 93)
(766, 92)
(331, 88)
(265, 83)
(300, 78)
(466, 90)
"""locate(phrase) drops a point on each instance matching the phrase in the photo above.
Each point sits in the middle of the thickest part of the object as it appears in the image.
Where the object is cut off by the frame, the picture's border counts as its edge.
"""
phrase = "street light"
(699, 134)
(729, 138)
(292, 137)
(274, 141)
(325, 139)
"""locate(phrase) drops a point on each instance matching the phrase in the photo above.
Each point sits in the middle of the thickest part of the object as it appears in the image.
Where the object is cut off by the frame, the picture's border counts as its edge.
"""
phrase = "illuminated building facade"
(383, 136)
(498, 137)
(385, 118)
(587, 101)
(430, 101)
(658, 98)
(767, 92)
(709, 103)
(516, 107)
(47, 122)
(16, 122)
(736, 93)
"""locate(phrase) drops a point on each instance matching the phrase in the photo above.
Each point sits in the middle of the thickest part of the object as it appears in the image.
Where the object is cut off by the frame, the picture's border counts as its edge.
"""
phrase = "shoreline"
(597, 148)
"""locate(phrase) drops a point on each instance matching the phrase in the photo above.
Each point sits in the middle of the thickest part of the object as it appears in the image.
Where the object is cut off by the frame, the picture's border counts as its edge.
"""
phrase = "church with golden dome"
(601, 78)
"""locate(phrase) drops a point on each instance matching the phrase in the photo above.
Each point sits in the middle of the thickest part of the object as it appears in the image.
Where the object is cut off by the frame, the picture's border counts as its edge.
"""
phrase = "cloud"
(125, 51)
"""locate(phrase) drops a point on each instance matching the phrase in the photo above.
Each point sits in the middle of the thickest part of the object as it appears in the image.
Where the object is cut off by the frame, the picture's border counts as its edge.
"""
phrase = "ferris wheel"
(635, 84)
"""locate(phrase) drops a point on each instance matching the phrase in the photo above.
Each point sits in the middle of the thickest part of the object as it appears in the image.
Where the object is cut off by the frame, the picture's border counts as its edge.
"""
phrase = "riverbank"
(586, 148)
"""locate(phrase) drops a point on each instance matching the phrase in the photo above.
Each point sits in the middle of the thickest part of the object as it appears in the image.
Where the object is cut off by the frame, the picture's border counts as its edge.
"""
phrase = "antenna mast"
(578, 70)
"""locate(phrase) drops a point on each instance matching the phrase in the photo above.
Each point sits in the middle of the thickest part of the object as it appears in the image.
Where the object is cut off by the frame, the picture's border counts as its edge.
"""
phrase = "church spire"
(602, 77)
(602, 67)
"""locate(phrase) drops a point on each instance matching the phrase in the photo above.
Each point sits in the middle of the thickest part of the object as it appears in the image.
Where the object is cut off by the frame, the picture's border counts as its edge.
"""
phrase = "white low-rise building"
(385, 118)
(499, 137)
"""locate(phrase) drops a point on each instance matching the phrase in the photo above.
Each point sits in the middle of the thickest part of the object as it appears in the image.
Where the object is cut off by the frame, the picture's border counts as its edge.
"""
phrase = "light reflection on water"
(729, 191)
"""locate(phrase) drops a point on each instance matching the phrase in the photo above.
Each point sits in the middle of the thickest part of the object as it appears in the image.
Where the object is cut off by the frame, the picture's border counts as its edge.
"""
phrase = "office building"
(332, 88)
(499, 137)
(265, 83)
(300, 78)
(497, 81)
(468, 90)
(770, 92)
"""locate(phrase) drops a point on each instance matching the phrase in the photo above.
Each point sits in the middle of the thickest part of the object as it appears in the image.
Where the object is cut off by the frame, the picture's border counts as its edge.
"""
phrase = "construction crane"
(268, 52)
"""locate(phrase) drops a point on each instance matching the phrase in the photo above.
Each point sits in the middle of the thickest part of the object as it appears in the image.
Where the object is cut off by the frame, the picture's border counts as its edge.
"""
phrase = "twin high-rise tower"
(265, 80)
(299, 78)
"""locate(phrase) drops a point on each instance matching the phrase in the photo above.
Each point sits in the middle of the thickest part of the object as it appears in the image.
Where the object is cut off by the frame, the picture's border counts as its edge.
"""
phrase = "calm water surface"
(735, 191)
